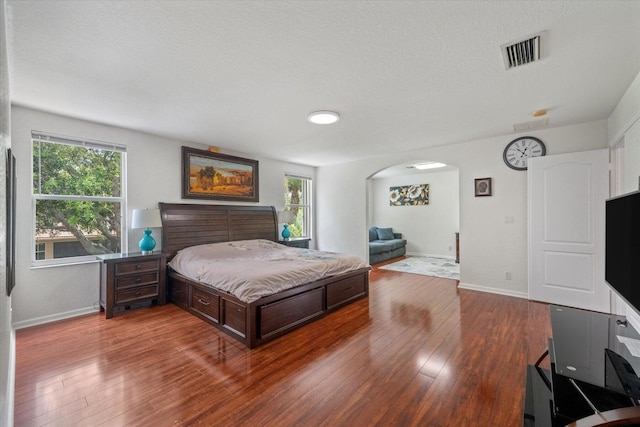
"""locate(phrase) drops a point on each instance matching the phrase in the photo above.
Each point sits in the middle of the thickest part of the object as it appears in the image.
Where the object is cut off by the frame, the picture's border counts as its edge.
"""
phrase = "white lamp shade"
(146, 218)
(286, 217)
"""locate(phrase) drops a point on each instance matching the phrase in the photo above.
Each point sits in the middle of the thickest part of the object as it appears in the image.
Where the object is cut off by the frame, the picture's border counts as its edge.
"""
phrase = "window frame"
(38, 136)
(40, 250)
(307, 191)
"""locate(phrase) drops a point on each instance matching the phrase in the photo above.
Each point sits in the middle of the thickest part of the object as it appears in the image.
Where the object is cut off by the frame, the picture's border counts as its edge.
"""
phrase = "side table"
(131, 278)
(296, 243)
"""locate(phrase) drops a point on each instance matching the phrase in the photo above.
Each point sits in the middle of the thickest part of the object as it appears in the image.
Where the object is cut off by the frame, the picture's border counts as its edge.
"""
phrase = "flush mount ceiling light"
(323, 117)
(540, 113)
(429, 165)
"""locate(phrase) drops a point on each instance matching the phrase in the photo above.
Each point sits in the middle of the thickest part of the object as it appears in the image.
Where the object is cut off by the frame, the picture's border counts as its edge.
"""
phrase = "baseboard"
(431, 255)
(498, 291)
(54, 317)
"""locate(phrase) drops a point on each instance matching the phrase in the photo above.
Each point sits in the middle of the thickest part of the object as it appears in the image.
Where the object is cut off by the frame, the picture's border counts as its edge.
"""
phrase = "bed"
(257, 319)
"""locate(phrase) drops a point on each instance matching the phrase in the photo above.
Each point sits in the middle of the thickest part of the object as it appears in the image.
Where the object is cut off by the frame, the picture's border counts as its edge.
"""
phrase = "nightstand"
(296, 243)
(132, 278)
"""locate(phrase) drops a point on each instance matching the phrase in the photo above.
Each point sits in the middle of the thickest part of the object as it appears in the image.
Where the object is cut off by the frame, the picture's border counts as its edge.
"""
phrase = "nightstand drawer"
(140, 266)
(137, 280)
(136, 294)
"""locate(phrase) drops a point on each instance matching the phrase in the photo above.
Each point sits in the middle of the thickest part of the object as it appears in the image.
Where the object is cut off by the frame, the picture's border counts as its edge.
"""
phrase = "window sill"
(38, 266)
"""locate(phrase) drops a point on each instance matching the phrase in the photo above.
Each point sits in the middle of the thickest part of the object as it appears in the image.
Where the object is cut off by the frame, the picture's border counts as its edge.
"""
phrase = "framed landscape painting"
(215, 176)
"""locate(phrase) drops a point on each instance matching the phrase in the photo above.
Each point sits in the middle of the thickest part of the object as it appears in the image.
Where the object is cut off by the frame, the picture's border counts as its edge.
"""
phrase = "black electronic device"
(593, 366)
(573, 398)
(622, 248)
(620, 375)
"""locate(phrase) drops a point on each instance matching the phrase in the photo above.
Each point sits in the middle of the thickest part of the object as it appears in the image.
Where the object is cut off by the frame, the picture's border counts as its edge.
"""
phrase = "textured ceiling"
(243, 75)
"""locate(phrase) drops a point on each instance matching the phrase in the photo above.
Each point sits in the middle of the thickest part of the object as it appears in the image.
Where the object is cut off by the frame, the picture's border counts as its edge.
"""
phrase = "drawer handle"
(138, 280)
(138, 293)
(347, 289)
(203, 302)
(138, 267)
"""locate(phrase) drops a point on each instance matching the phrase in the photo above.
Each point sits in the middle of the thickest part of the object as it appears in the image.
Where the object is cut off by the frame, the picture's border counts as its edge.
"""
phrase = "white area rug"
(428, 266)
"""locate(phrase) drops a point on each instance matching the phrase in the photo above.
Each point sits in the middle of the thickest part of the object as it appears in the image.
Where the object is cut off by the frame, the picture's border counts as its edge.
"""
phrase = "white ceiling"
(243, 75)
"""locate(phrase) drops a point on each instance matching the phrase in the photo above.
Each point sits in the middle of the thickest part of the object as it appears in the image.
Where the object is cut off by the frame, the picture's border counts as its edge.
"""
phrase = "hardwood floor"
(417, 352)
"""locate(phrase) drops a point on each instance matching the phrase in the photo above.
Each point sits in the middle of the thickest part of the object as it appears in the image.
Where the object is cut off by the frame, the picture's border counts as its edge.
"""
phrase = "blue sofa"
(384, 244)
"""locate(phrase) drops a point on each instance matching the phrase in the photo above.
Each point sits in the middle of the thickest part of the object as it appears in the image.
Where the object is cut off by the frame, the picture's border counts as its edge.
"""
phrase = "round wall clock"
(520, 150)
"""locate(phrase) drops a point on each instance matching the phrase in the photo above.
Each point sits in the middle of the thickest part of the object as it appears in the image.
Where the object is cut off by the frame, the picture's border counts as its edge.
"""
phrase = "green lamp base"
(147, 243)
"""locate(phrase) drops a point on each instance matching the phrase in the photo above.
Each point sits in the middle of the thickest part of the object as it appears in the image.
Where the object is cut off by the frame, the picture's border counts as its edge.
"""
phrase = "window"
(297, 199)
(40, 251)
(77, 198)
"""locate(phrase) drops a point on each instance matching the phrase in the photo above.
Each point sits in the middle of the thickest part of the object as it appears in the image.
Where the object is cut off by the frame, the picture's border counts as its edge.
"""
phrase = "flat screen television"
(622, 259)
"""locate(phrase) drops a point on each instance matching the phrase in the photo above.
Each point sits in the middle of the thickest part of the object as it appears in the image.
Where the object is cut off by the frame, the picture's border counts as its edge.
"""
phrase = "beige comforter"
(251, 269)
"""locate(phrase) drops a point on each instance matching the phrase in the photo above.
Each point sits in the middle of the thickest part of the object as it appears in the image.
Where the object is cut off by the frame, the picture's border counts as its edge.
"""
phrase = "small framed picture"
(483, 187)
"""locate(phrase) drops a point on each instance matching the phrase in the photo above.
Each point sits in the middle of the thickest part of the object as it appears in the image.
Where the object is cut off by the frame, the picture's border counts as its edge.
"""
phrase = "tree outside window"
(78, 200)
(297, 199)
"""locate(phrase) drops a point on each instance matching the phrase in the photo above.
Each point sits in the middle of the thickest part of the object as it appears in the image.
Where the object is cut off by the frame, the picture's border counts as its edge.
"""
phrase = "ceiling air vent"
(522, 52)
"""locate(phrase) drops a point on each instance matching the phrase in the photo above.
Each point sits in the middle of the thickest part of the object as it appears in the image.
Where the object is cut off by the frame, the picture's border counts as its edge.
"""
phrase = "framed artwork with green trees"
(214, 176)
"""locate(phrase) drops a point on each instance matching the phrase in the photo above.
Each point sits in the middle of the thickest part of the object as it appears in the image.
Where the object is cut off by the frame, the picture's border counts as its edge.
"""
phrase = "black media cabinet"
(594, 359)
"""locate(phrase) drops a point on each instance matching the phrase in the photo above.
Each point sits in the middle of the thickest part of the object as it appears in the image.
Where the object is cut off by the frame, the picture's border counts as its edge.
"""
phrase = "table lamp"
(286, 217)
(146, 218)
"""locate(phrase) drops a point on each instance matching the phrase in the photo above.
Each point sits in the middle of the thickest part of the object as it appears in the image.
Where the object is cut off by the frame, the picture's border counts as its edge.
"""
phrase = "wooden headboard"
(186, 225)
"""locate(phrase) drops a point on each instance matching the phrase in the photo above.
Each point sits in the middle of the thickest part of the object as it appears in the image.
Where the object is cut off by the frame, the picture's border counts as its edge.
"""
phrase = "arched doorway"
(430, 229)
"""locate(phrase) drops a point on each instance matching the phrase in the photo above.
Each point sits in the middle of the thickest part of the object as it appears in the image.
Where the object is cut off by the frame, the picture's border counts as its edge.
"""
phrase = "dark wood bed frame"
(269, 317)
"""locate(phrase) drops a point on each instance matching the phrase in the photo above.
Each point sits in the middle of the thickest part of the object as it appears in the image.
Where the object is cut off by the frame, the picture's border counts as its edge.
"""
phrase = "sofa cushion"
(380, 246)
(385, 234)
(373, 233)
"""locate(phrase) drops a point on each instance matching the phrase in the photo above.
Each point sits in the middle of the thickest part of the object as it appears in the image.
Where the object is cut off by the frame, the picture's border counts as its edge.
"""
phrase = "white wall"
(631, 159)
(429, 229)
(624, 124)
(7, 338)
(488, 246)
(153, 175)
(626, 113)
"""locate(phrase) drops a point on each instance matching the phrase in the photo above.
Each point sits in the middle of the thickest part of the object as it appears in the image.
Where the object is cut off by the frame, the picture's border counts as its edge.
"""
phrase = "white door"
(567, 194)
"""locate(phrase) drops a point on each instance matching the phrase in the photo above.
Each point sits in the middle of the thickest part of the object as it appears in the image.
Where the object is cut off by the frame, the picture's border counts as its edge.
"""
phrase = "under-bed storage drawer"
(179, 293)
(344, 291)
(234, 317)
(205, 303)
(288, 312)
